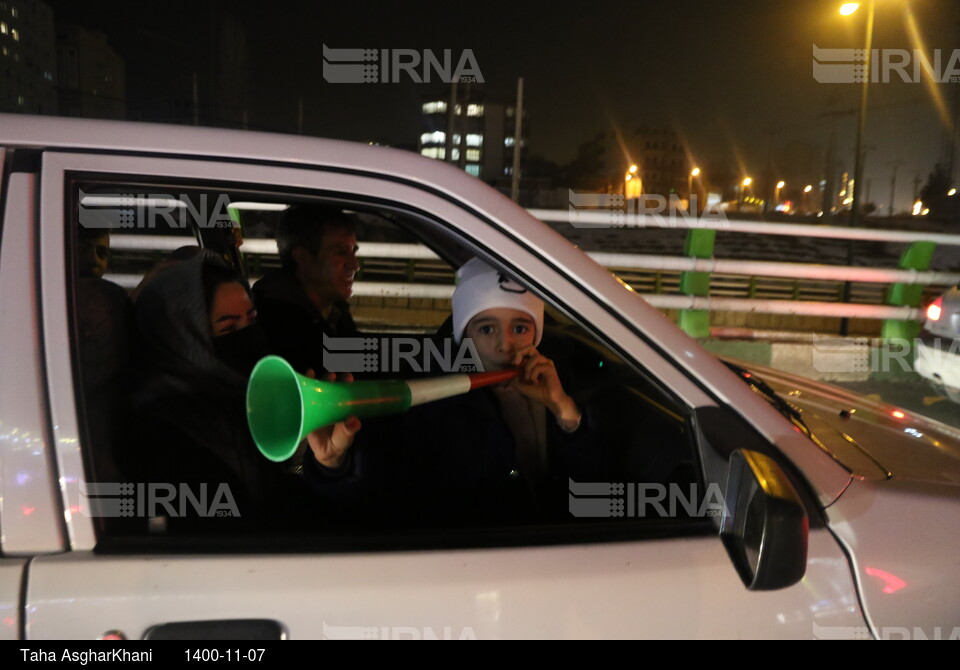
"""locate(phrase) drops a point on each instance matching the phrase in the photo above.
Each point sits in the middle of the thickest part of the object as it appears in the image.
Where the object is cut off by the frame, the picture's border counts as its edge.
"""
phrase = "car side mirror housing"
(764, 527)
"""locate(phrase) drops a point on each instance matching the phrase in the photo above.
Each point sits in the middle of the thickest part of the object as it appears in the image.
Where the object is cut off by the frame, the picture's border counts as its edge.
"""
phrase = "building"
(480, 133)
(661, 160)
(91, 75)
(27, 58)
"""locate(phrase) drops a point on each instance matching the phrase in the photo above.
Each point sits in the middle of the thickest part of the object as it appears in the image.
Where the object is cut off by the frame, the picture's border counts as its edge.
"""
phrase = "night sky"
(733, 77)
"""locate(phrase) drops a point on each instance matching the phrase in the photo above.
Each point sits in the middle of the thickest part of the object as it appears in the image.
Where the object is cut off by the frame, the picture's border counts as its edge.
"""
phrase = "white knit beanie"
(480, 287)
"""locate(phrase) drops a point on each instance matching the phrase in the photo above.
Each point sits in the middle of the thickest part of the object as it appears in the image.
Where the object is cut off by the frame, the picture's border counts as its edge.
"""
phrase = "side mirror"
(764, 527)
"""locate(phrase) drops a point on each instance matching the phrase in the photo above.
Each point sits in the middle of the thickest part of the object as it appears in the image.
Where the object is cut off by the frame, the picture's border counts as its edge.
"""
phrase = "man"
(308, 295)
(93, 252)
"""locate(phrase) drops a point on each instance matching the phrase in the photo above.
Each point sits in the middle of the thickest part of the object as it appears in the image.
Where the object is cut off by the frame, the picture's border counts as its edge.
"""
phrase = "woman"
(198, 343)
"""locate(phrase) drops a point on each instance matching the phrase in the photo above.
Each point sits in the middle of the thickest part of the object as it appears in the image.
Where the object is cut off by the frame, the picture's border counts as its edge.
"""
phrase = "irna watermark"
(850, 66)
(649, 210)
(153, 210)
(390, 66)
(399, 354)
(397, 633)
(155, 499)
(643, 500)
(885, 633)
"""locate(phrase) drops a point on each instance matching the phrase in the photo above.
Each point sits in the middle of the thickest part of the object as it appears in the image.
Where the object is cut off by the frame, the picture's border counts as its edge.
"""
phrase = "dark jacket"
(455, 461)
(293, 324)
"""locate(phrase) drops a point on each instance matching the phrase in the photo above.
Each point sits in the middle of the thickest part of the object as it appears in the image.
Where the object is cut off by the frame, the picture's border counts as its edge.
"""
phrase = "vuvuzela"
(283, 406)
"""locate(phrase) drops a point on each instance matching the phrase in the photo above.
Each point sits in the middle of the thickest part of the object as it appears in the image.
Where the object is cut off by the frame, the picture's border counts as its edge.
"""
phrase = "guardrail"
(695, 269)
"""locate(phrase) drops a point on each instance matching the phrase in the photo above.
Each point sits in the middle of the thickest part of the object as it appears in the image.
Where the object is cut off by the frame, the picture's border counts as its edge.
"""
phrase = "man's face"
(93, 256)
(498, 334)
(330, 271)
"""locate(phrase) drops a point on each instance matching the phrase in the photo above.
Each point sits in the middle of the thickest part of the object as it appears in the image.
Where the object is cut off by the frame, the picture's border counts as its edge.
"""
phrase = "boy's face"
(498, 334)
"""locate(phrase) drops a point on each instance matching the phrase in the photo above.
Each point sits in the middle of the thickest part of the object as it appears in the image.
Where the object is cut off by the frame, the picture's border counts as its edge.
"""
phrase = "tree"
(934, 195)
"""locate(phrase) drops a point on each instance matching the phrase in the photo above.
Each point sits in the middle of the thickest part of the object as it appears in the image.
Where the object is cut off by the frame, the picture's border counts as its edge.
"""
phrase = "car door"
(671, 578)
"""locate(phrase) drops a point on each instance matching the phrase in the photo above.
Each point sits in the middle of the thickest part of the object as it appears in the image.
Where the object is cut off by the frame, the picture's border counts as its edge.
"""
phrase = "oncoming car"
(739, 503)
(938, 348)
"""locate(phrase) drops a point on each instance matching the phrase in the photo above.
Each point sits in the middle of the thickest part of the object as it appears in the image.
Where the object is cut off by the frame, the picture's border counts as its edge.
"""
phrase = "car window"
(431, 475)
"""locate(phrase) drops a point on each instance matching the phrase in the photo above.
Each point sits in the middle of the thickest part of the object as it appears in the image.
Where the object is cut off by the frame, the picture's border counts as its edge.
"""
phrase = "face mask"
(242, 348)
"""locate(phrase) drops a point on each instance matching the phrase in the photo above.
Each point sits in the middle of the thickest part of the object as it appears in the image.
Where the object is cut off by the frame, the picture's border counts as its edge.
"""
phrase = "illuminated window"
(3, 28)
(436, 137)
(48, 75)
(15, 34)
(19, 99)
(474, 140)
(473, 154)
(433, 152)
(474, 110)
(455, 154)
(13, 12)
(473, 170)
(508, 141)
(436, 107)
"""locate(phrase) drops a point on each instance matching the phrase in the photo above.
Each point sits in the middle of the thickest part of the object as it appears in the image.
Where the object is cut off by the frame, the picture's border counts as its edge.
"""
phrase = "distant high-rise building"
(661, 160)
(91, 74)
(27, 57)
(481, 142)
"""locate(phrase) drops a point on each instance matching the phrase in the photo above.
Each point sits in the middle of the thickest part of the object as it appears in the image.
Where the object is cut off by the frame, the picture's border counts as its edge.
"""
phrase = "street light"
(806, 190)
(780, 185)
(743, 189)
(630, 174)
(847, 10)
(695, 172)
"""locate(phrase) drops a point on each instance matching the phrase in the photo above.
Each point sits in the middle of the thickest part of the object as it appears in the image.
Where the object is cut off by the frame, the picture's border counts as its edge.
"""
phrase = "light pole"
(695, 172)
(847, 10)
(858, 157)
(780, 185)
(743, 190)
(806, 191)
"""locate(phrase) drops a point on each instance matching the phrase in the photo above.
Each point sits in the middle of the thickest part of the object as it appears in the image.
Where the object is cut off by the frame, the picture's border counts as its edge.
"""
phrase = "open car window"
(434, 475)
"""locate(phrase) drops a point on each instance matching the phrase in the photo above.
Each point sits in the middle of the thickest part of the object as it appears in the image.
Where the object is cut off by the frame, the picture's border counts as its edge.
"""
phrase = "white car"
(816, 514)
(938, 347)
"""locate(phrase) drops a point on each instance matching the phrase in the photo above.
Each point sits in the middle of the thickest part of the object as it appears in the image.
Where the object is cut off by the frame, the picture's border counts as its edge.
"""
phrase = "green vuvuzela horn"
(283, 406)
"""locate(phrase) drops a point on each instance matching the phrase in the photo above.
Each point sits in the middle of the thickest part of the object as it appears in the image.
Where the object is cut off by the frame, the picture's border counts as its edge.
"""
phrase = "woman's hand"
(330, 444)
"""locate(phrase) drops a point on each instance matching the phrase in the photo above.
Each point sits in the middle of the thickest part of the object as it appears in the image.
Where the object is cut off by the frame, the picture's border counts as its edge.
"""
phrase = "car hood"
(872, 439)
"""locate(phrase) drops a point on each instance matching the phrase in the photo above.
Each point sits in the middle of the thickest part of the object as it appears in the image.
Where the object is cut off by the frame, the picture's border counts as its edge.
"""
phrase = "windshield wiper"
(761, 387)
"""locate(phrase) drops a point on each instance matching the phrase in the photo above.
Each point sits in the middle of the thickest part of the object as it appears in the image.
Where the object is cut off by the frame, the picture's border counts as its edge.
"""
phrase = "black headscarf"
(190, 404)
(176, 342)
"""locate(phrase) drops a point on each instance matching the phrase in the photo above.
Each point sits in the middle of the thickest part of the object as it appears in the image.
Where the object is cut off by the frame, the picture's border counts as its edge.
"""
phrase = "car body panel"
(30, 511)
(683, 588)
(12, 572)
(906, 568)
